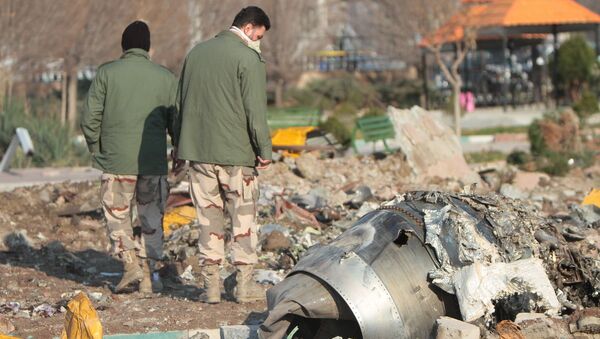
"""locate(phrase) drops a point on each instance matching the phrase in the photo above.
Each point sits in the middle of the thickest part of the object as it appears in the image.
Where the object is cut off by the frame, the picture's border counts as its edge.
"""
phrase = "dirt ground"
(55, 244)
(66, 254)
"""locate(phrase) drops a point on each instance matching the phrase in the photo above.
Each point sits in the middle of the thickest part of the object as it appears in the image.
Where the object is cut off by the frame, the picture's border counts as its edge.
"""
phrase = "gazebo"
(518, 19)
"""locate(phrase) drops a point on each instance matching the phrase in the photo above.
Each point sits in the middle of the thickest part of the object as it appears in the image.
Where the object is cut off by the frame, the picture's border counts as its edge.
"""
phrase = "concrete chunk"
(450, 328)
(528, 316)
(431, 148)
(239, 332)
(478, 286)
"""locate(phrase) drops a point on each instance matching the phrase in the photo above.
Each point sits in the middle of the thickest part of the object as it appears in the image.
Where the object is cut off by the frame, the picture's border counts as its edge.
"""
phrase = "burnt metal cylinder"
(376, 271)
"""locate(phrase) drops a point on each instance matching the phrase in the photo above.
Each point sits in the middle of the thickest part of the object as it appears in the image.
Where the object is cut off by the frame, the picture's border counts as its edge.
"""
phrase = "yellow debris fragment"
(178, 217)
(291, 136)
(593, 198)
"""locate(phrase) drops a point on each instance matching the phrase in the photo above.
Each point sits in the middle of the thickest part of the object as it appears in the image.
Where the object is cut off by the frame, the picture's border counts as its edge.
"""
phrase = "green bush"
(553, 163)
(400, 93)
(328, 93)
(587, 105)
(557, 163)
(374, 112)
(53, 143)
(576, 61)
(346, 109)
(536, 139)
(518, 158)
(338, 129)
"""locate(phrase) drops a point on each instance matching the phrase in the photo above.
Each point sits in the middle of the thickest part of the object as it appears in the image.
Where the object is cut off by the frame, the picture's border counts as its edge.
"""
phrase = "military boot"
(212, 279)
(132, 270)
(151, 280)
(246, 289)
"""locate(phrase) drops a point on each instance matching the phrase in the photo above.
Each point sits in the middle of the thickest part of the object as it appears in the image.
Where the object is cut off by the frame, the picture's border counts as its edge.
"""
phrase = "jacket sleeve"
(91, 122)
(254, 95)
(172, 112)
(177, 118)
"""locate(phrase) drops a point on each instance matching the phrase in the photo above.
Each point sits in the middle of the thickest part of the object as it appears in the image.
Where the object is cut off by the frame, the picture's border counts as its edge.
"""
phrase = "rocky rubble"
(55, 233)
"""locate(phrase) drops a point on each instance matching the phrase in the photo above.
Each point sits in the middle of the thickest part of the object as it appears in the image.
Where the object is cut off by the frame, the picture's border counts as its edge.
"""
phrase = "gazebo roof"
(509, 13)
(493, 18)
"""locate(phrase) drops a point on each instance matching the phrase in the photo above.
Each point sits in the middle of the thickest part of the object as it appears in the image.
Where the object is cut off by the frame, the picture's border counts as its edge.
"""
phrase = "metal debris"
(421, 249)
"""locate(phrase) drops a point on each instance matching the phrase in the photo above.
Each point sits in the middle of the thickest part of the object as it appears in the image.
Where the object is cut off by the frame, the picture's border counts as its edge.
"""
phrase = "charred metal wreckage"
(399, 268)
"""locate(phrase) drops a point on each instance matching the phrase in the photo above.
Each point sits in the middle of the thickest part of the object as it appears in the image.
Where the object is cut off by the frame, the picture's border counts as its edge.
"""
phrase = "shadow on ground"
(88, 267)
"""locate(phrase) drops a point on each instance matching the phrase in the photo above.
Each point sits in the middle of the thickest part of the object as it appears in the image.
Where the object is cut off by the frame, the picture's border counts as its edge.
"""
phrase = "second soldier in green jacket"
(130, 107)
(223, 132)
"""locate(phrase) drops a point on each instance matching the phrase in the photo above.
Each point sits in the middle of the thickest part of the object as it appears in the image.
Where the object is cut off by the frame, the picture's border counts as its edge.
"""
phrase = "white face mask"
(255, 45)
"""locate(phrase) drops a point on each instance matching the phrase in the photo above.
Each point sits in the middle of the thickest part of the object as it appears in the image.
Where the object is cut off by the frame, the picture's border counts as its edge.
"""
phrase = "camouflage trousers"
(147, 194)
(214, 189)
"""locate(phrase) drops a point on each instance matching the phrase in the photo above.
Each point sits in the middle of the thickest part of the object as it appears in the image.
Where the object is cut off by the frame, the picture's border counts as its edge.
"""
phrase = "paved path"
(39, 176)
(504, 147)
(495, 117)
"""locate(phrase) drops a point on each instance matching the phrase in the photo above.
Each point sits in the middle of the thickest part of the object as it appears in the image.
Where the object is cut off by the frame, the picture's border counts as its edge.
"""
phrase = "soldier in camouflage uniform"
(130, 106)
(223, 132)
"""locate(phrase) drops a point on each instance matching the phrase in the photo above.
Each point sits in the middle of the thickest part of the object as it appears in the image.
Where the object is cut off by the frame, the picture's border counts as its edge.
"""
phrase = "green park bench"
(373, 129)
(293, 117)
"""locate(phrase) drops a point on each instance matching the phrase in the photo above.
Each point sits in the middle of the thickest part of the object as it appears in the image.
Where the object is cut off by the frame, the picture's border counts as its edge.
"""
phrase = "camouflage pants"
(118, 193)
(215, 188)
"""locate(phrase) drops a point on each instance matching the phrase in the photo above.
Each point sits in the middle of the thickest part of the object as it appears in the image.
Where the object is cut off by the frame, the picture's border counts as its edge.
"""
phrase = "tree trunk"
(279, 93)
(63, 99)
(3, 91)
(9, 90)
(26, 103)
(72, 97)
(456, 91)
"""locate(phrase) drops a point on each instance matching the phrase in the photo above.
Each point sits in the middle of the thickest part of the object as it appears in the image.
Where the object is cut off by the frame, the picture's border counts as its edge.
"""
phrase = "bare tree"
(451, 73)
(170, 28)
(209, 17)
(402, 25)
(461, 32)
(298, 28)
(25, 39)
(594, 5)
(396, 27)
(95, 35)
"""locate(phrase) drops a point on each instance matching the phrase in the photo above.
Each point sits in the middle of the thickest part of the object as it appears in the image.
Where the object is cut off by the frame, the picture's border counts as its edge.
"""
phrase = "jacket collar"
(230, 35)
(135, 52)
(227, 34)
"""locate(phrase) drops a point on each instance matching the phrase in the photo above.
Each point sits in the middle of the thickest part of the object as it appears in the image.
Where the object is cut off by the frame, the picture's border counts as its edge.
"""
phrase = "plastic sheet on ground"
(81, 320)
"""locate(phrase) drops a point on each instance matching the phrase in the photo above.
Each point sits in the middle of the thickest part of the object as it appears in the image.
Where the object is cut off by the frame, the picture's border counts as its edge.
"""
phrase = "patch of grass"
(483, 157)
(496, 130)
(53, 143)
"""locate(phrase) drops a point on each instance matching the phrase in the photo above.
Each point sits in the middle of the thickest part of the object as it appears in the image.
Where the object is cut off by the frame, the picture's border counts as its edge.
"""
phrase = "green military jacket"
(223, 104)
(129, 108)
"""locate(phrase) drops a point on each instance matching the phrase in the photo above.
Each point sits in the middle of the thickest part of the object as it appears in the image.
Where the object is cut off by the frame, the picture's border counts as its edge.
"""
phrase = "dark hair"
(136, 35)
(252, 15)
